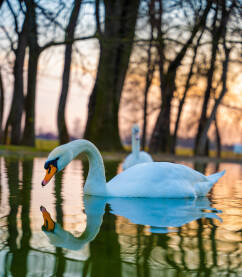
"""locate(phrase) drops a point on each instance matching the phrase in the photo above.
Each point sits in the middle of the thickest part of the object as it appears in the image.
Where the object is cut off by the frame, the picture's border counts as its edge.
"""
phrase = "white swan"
(137, 156)
(159, 215)
(157, 179)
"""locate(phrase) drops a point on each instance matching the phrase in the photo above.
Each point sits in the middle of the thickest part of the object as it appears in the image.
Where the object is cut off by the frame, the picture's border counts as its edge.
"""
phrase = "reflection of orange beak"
(49, 224)
(50, 172)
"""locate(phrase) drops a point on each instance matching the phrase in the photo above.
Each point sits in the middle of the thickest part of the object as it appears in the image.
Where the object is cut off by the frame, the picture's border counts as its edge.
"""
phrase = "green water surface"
(117, 243)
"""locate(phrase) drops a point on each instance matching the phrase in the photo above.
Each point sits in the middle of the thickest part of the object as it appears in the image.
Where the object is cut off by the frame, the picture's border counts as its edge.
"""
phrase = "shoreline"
(20, 152)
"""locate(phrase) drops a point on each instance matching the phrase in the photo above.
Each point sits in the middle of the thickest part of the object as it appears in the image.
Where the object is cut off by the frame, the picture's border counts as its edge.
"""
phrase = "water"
(116, 237)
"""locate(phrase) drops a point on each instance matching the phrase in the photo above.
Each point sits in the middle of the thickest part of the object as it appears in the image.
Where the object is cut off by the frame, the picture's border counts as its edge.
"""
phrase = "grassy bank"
(43, 147)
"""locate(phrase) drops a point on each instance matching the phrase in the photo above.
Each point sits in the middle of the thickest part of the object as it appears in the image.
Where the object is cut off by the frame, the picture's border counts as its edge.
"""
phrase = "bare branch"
(97, 15)
(14, 17)
(49, 16)
(9, 38)
(58, 43)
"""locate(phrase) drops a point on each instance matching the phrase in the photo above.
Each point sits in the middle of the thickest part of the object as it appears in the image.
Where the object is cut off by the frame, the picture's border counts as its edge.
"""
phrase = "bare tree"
(161, 138)
(186, 89)
(116, 42)
(69, 35)
(217, 33)
(13, 124)
(203, 136)
(34, 52)
(149, 74)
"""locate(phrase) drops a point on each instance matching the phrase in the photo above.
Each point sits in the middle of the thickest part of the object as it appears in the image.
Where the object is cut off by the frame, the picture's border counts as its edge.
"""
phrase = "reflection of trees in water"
(105, 249)
(172, 251)
(187, 250)
(138, 255)
(60, 262)
(19, 195)
(12, 170)
(146, 254)
(202, 255)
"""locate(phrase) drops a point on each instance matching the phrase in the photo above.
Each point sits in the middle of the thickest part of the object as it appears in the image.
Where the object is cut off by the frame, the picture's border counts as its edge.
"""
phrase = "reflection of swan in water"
(162, 213)
(94, 209)
(137, 156)
(157, 213)
(157, 179)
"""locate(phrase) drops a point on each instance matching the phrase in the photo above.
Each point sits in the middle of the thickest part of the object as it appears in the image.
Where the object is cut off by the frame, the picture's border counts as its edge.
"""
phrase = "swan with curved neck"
(157, 179)
(136, 156)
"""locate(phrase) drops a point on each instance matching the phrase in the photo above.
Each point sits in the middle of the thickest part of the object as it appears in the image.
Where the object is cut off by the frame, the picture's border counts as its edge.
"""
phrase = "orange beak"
(49, 224)
(50, 172)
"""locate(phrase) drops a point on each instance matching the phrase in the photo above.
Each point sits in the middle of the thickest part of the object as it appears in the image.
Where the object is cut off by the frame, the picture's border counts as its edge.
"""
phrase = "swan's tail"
(214, 177)
(202, 188)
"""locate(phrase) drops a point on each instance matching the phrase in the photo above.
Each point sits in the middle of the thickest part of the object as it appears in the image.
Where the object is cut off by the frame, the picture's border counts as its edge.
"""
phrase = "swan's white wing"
(158, 179)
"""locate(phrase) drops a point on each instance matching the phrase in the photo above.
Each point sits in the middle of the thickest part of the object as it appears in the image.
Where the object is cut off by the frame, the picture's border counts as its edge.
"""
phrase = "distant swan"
(157, 179)
(137, 156)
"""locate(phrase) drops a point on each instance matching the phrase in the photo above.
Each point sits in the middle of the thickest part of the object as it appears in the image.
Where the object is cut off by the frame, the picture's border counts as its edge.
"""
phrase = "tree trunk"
(61, 123)
(204, 123)
(29, 128)
(1, 105)
(217, 34)
(115, 48)
(186, 89)
(161, 137)
(203, 136)
(148, 81)
(13, 124)
(218, 139)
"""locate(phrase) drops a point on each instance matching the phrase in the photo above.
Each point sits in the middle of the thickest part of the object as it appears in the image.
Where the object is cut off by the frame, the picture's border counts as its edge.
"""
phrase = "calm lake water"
(116, 237)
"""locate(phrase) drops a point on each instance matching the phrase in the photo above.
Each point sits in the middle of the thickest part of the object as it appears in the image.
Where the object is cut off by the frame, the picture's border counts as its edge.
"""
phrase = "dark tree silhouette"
(105, 249)
(186, 89)
(29, 132)
(116, 42)
(69, 36)
(149, 74)
(161, 138)
(13, 124)
(217, 32)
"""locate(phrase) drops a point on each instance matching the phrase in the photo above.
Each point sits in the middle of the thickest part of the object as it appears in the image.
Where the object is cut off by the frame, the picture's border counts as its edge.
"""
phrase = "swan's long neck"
(135, 145)
(96, 180)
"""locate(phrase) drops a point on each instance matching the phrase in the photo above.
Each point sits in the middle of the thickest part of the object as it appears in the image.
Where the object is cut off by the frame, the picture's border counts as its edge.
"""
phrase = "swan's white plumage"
(160, 179)
(157, 179)
(137, 156)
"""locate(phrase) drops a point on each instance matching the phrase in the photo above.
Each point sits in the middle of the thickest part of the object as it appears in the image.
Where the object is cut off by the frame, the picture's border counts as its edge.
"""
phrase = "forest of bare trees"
(186, 47)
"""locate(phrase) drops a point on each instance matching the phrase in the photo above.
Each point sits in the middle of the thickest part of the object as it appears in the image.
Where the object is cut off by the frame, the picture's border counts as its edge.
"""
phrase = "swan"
(157, 179)
(156, 213)
(136, 156)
